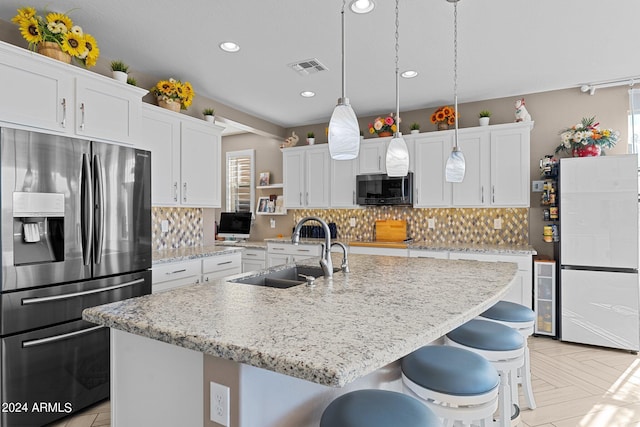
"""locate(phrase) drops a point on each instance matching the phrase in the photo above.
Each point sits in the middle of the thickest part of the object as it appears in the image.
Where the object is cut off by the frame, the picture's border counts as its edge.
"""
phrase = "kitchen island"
(285, 353)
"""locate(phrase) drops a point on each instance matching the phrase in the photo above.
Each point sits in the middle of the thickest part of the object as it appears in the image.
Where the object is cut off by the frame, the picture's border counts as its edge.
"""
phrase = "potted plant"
(173, 94)
(209, 114)
(132, 81)
(119, 70)
(311, 138)
(483, 117)
(415, 127)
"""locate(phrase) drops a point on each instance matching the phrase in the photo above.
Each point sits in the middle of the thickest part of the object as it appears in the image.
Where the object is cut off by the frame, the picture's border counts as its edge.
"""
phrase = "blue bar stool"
(377, 408)
(504, 348)
(522, 319)
(456, 384)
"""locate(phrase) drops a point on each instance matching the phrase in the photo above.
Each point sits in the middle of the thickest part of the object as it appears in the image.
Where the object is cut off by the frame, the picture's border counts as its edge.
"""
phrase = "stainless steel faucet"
(345, 258)
(325, 261)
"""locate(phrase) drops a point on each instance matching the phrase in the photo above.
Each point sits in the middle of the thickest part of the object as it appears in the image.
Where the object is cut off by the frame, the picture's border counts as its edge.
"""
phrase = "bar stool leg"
(526, 378)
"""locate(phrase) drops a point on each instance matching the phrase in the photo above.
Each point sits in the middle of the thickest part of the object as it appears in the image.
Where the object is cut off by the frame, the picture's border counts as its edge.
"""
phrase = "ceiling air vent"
(308, 66)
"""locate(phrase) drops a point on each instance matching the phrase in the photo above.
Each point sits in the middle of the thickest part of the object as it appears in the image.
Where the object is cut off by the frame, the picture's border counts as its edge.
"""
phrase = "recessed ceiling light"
(229, 46)
(409, 74)
(307, 94)
(362, 6)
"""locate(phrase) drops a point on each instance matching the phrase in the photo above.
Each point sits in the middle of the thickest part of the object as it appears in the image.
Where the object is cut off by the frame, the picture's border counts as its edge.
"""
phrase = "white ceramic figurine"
(290, 141)
(522, 115)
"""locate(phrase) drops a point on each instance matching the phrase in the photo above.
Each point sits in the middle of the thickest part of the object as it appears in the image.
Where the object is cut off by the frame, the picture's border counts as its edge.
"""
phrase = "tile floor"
(574, 385)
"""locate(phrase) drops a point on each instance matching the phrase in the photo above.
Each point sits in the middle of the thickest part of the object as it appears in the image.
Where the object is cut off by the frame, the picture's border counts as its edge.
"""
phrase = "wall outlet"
(352, 222)
(431, 223)
(272, 222)
(537, 186)
(219, 396)
(497, 223)
(164, 226)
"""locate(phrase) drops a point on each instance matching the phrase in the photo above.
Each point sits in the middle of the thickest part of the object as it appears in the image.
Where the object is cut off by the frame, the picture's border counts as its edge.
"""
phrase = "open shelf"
(267, 187)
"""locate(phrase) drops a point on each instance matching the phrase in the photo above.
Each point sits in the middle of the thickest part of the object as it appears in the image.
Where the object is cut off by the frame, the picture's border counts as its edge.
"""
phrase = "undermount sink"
(285, 278)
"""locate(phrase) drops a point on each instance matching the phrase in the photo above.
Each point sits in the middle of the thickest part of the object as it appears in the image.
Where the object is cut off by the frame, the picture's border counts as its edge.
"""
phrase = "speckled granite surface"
(191, 252)
(332, 333)
(476, 248)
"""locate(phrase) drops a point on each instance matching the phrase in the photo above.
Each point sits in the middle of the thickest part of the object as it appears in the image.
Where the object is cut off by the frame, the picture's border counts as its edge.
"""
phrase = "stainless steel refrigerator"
(599, 288)
(76, 232)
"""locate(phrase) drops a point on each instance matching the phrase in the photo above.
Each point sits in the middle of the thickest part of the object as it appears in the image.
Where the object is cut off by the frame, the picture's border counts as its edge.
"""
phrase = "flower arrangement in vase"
(173, 94)
(56, 36)
(444, 117)
(386, 126)
(586, 139)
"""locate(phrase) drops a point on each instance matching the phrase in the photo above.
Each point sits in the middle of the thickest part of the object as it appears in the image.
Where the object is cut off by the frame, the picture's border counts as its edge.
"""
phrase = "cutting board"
(391, 230)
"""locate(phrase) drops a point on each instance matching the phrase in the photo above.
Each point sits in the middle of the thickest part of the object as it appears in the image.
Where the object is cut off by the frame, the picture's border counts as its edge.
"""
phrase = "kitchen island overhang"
(331, 334)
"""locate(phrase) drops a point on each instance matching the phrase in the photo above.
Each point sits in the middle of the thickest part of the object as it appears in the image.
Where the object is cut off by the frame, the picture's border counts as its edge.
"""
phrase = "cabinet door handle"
(307, 197)
(278, 249)
(175, 272)
(379, 160)
(82, 110)
(224, 262)
(63, 123)
(206, 279)
(303, 250)
(248, 254)
(493, 194)
(175, 191)
(354, 197)
(184, 194)
(482, 194)
(301, 198)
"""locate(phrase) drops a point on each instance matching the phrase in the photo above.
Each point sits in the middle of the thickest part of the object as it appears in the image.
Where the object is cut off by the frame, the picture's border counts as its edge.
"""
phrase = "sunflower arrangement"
(173, 90)
(384, 125)
(57, 28)
(444, 114)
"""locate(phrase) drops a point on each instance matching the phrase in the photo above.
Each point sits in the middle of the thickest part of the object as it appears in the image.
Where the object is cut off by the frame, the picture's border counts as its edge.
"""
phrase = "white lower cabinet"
(522, 290)
(284, 253)
(254, 259)
(368, 250)
(172, 275)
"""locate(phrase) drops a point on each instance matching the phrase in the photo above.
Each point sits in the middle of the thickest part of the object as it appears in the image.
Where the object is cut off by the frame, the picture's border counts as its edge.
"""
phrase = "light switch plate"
(164, 226)
(272, 221)
(497, 223)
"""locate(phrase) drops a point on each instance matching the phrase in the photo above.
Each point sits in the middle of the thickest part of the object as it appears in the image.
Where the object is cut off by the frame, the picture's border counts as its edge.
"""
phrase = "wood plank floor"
(574, 385)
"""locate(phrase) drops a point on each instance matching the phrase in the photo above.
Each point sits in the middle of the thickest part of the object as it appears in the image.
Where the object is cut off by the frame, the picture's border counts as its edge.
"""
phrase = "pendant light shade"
(455, 167)
(397, 159)
(344, 131)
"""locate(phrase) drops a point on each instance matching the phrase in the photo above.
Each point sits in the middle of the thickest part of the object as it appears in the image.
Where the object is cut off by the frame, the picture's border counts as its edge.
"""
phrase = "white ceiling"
(506, 48)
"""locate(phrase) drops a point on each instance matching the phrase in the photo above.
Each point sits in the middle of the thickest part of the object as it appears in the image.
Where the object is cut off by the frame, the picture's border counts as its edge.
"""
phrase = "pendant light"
(344, 131)
(455, 167)
(397, 160)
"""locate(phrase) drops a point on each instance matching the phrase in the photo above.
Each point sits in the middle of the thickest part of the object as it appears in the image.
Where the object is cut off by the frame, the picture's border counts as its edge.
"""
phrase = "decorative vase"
(443, 126)
(311, 141)
(173, 106)
(385, 133)
(484, 121)
(587, 151)
(120, 76)
(53, 50)
(210, 118)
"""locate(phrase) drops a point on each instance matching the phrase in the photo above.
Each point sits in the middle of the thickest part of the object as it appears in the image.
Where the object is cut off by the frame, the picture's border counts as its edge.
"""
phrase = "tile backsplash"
(452, 225)
(186, 227)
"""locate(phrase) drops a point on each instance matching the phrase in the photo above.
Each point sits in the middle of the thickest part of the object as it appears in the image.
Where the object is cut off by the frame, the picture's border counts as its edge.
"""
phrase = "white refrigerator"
(599, 288)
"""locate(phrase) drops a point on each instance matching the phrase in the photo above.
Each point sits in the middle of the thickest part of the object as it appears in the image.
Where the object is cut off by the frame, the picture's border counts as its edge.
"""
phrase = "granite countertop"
(476, 248)
(332, 333)
(191, 252)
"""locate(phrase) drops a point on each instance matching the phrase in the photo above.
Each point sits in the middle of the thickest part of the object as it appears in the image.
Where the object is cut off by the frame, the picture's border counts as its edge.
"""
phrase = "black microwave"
(383, 190)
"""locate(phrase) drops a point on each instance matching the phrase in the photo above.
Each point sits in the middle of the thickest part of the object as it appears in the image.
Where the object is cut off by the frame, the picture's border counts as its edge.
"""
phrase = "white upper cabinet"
(185, 158)
(496, 167)
(431, 153)
(373, 154)
(343, 183)
(50, 95)
(306, 176)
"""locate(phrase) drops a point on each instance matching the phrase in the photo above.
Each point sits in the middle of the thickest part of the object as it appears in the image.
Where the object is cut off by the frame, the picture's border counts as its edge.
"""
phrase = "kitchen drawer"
(371, 250)
(254, 254)
(175, 270)
(222, 262)
(291, 249)
(424, 253)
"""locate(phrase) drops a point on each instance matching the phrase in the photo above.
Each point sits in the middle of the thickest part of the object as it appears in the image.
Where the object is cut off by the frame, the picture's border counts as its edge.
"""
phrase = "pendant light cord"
(455, 69)
(344, 78)
(397, 133)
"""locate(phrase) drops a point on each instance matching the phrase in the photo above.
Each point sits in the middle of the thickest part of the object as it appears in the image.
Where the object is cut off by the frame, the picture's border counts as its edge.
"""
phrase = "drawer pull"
(168, 273)
(225, 262)
(278, 249)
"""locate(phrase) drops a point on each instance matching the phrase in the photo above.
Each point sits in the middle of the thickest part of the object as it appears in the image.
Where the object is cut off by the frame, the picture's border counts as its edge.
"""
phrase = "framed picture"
(263, 205)
(264, 179)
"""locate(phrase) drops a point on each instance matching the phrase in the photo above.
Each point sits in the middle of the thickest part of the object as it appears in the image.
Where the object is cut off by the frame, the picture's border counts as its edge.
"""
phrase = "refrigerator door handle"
(86, 216)
(99, 209)
(38, 300)
(33, 343)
